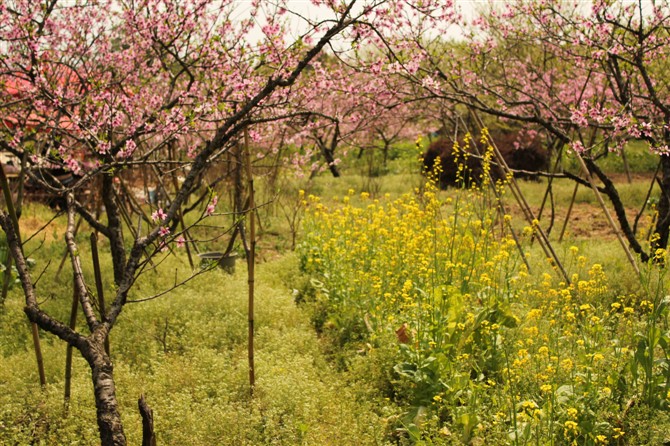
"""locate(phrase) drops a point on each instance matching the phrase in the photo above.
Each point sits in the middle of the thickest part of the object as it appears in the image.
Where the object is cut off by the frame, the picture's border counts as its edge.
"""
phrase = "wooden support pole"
(525, 208)
(613, 225)
(503, 210)
(68, 350)
(548, 191)
(38, 354)
(7, 277)
(251, 259)
(567, 216)
(646, 198)
(9, 202)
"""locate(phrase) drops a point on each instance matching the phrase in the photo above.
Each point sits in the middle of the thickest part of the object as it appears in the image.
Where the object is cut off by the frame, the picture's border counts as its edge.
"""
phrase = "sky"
(306, 9)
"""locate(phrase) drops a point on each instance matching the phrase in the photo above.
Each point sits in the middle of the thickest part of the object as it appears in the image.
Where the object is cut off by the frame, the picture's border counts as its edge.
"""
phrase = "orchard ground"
(186, 352)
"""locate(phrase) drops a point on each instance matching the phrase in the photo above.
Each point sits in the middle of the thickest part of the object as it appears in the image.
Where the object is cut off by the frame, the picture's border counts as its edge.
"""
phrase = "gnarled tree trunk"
(107, 407)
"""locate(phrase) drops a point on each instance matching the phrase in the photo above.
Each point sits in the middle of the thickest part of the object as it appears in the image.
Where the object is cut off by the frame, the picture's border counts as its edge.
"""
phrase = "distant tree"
(592, 75)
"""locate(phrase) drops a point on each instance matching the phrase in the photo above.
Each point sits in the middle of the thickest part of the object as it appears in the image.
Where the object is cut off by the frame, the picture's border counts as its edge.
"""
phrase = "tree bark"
(328, 151)
(330, 159)
(148, 435)
(107, 407)
(613, 195)
(663, 222)
(115, 228)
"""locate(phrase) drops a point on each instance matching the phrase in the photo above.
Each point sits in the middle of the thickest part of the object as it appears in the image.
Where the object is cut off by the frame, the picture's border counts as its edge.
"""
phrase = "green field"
(406, 315)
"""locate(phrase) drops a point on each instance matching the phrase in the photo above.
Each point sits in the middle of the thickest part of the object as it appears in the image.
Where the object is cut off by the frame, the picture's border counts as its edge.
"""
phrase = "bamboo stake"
(646, 198)
(38, 354)
(15, 222)
(567, 216)
(613, 225)
(8, 266)
(547, 191)
(251, 260)
(502, 209)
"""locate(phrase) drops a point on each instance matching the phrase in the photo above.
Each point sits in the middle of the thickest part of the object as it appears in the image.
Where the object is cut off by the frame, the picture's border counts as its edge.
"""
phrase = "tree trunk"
(109, 418)
(148, 435)
(663, 222)
(612, 193)
(328, 156)
(115, 227)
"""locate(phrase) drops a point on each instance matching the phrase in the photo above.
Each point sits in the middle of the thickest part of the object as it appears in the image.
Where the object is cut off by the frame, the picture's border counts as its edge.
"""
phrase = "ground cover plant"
(150, 123)
(486, 351)
(187, 355)
(186, 351)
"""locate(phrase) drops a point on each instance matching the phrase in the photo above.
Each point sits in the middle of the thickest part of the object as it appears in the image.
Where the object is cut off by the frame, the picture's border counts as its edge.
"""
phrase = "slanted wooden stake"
(6, 279)
(501, 206)
(68, 350)
(525, 208)
(646, 198)
(613, 225)
(567, 215)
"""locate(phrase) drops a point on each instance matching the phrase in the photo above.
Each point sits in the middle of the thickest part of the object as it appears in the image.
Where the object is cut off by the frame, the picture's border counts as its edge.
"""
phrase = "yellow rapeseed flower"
(571, 428)
(567, 364)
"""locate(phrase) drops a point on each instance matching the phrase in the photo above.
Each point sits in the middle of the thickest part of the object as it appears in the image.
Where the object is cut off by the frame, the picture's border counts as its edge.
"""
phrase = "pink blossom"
(128, 150)
(74, 166)
(254, 135)
(578, 147)
(181, 242)
(158, 215)
(211, 207)
(577, 117)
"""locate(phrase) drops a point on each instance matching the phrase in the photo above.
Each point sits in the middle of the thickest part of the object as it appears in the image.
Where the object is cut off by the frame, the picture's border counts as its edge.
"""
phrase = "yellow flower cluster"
(444, 277)
(403, 260)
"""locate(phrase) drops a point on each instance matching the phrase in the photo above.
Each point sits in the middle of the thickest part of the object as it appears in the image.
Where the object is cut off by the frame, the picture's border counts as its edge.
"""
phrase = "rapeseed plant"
(485, 349)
